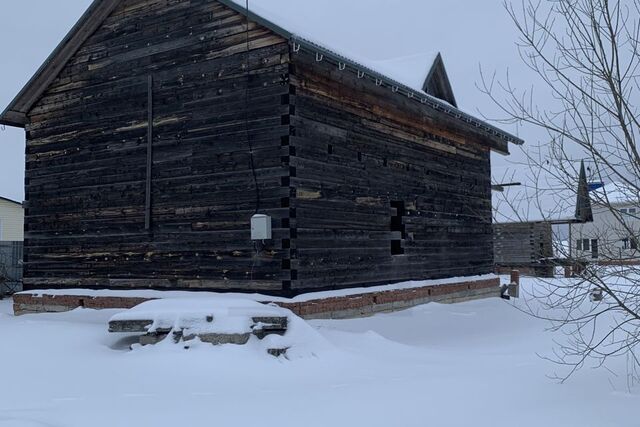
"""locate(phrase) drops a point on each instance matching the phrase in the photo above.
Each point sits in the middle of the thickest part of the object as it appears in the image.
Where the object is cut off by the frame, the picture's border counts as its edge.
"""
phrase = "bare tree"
(585, 55)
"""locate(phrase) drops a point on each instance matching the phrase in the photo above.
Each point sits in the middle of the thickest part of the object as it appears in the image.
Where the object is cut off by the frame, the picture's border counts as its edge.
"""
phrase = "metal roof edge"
(431, 101)
(419, 96)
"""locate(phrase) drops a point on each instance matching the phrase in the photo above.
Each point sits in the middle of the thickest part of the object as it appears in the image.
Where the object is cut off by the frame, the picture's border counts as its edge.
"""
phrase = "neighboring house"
(529, 246)
(153, 137)
(615, 231)
(11, 221)
(11, 245)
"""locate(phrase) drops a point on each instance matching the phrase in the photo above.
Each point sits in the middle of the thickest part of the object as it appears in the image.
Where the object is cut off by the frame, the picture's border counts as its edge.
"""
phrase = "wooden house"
(158, 128)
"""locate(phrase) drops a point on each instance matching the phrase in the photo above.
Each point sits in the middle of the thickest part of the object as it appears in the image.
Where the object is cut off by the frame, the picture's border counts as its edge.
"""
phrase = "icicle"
(319, 57)
(341, 66)
(296, 47)
(360, 74)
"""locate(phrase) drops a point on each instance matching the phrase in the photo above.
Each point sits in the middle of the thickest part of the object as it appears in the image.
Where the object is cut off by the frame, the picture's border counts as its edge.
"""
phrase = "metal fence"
(11, 267)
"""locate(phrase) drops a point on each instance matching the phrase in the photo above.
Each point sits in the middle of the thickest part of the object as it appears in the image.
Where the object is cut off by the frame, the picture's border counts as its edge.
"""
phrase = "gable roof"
(435, 85)
(584, 212)
(437, 82)
(16, 113)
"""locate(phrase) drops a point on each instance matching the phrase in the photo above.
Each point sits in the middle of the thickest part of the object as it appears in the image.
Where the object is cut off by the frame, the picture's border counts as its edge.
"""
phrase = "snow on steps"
(339, 304)
(220, 320)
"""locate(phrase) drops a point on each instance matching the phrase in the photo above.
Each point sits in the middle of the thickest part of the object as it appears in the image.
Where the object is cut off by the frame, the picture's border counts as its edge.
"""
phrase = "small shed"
(157, 129)
(524, 246)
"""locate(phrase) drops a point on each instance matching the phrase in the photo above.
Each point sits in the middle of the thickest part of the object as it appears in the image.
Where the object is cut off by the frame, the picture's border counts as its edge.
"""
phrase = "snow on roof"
(410, 70)
(311, 23)
(615, 193)
(309, 20)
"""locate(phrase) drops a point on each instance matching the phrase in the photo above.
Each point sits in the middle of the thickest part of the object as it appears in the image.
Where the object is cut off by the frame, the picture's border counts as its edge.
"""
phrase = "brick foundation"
(338, 307)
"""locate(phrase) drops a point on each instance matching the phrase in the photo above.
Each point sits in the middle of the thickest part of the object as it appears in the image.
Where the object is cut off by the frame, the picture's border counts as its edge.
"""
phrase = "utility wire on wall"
(246, 113)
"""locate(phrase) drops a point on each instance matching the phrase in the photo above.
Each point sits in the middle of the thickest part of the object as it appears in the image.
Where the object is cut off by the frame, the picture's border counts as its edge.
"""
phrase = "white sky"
(469, 33)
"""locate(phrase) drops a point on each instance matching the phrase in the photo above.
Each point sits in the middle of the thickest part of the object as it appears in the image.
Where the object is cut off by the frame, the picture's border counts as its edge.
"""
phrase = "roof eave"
(497, 138)
(13, 119)
(16, 113)
(4, 199)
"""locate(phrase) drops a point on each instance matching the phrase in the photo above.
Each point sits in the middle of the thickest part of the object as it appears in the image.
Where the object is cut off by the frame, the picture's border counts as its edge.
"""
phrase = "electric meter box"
(261, 227)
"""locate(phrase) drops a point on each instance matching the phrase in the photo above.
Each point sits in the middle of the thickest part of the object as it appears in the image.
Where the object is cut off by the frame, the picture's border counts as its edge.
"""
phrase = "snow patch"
(149, 294)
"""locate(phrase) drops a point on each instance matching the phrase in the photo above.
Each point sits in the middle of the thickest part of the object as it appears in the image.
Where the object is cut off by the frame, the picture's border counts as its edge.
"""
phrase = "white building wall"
(612, 229)
(11, 221)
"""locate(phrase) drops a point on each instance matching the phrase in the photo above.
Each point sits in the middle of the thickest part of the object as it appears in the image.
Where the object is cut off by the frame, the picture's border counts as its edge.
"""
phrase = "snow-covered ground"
(471, 364)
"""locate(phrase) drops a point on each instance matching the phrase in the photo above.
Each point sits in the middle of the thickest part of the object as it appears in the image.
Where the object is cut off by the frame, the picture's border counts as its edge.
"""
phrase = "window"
(579, 244)
(585, 244)
(594, 248)
(630, 243)
(632, 211)
(398, 227)
(623, 210)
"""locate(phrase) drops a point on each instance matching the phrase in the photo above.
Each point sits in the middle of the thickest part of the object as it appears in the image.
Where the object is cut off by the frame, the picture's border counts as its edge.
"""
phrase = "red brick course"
(36, 302)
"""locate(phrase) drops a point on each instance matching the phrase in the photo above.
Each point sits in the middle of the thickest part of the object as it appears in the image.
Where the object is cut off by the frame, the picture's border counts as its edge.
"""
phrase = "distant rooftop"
(9, 200)
(615, 193)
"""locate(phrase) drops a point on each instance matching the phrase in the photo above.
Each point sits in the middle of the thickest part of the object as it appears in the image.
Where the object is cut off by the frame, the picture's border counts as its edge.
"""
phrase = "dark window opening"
(398, 227)
(396, 247)
(594, 248)
(634, 243)
(330, 149)
(585, 244)
(579, 244)
(359, 156)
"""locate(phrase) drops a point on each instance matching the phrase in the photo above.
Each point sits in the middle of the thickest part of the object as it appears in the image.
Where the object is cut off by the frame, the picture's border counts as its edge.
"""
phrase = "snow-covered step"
(218, 321)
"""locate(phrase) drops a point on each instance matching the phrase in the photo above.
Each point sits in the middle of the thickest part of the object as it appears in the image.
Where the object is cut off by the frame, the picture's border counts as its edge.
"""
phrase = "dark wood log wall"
(385, 191)
(522, 243)
(364, 186)
(87, 150)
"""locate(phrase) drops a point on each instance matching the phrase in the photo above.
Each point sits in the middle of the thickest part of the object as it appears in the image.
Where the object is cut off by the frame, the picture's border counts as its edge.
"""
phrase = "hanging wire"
(246, 115)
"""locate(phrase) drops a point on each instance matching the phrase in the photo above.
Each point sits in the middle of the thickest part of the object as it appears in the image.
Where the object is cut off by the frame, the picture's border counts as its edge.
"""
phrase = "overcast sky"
(469, 33)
